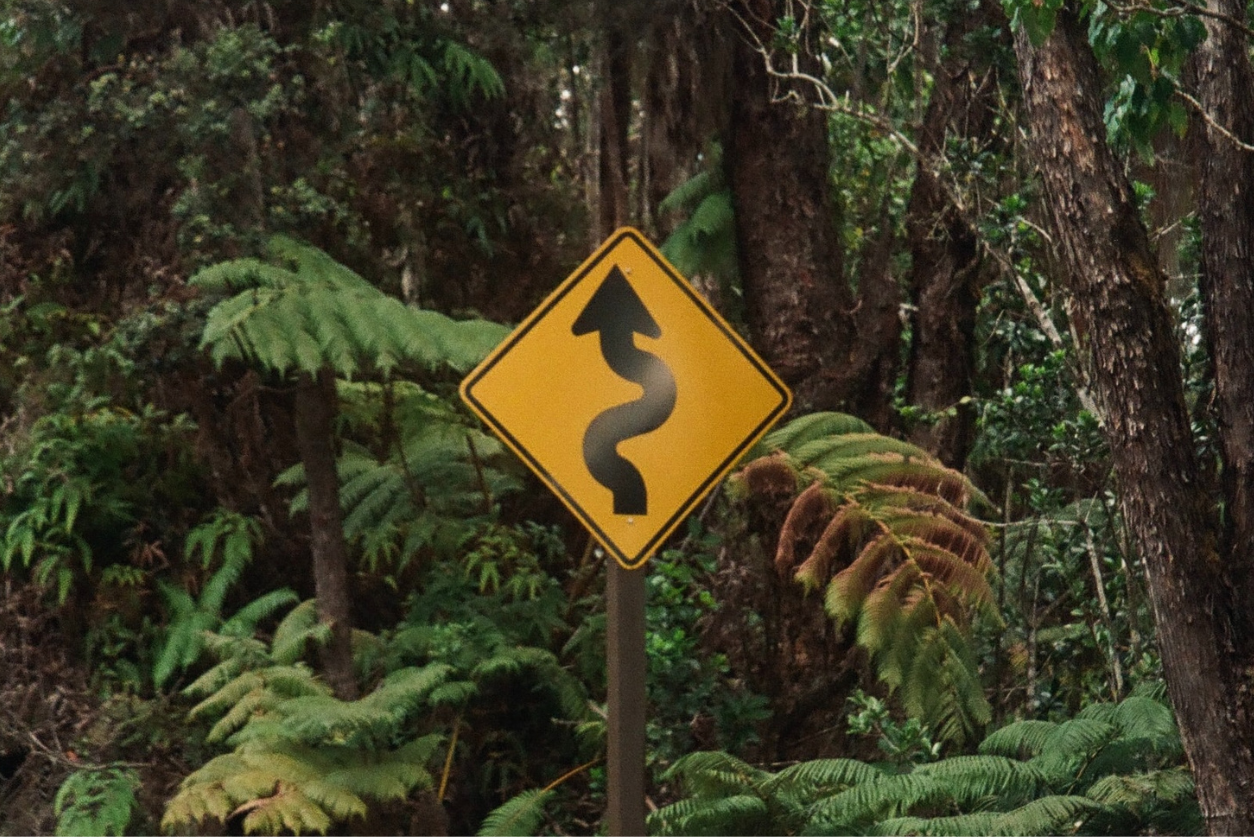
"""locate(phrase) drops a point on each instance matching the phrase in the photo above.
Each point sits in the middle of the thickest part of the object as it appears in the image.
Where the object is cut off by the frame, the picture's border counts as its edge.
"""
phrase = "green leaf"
(521, 814)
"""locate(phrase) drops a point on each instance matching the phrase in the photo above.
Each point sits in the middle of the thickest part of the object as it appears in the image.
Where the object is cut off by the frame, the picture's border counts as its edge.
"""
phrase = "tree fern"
(301, 311)
(1014, 786)
(889, 536)
(433, 487)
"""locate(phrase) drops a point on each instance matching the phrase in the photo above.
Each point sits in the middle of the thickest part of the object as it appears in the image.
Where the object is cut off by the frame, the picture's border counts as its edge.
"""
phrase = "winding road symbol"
(617, 314)
(628, 395)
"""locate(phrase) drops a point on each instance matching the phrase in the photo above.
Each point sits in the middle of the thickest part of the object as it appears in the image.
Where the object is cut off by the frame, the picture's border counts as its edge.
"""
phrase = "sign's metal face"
(627, 394)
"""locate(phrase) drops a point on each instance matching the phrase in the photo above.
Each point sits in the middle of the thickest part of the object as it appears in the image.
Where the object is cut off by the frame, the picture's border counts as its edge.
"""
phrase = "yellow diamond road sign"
(627, 394)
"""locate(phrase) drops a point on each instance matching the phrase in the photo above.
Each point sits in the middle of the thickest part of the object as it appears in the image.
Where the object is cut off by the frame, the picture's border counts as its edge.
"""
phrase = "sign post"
(625, 591)
(630, 397)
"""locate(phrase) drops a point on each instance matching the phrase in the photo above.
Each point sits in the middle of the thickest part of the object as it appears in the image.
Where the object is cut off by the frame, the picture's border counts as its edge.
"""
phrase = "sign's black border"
(685, 508)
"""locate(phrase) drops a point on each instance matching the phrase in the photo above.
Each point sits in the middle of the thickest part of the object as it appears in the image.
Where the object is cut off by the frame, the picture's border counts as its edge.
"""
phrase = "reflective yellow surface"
(543, 386)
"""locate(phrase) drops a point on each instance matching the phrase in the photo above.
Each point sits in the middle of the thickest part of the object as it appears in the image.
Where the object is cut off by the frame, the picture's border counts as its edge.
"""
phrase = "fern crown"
(300, 310)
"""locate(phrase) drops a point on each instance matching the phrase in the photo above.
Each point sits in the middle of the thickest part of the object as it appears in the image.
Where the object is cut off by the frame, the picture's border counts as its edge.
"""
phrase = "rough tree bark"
(945, 272)
(797, 302)
(685, 95)
(1226, 212)
(615, 119)
(1126, 330)
(315, 434)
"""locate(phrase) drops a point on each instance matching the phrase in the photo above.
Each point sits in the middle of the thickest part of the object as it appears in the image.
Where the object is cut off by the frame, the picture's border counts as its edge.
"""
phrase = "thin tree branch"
(1182, 8)
(1210, 120)
(828, 100)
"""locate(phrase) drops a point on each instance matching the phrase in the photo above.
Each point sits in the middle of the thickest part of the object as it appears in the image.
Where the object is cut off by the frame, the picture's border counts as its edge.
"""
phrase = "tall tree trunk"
(1225, 80)
(797, 302)
(945, 271)
(615, 118)
(315, 435)
(685, 96)
(1126, 328)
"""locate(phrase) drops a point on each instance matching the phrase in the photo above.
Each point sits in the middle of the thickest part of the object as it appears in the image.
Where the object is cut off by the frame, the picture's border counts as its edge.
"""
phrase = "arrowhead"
(616, 307)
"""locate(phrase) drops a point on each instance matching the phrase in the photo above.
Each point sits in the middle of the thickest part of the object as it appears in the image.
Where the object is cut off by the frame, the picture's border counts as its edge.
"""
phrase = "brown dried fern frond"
(773, 475)
(849, 588)
(912, 498)
(843, 534)
(955, 576)
(890, 535)
(941, 532)
(805, 517)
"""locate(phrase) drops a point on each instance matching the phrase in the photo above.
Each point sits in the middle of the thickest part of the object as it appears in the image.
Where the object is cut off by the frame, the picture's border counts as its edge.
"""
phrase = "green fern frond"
(317, 718)
(1142, 717)
(690, 192)
(321, 315)
(882, 798)
(1048, 815)
(472, 71)
(388, 778)
(454, 693)
(254, 703)
(973, 779)
(522, 814)
(670, 819)
(402, 691)
(883, 609)
(714, 214)
(1079, 736)
(695, 768)
(851, 446)
(245, 620)
(1021, 739)
(312, 264)
(990, 793)
(960, 825)
(848, 590)
(1138, 790)
(939, 683)
(295, 631)
(239, 274)
(820, 777)
(739, 814)
(375, 500)
(810, 427)
(287, 810)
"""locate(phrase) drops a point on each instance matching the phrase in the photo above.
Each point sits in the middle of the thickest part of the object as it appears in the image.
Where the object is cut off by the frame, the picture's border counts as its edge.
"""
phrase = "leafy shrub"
(78, 476)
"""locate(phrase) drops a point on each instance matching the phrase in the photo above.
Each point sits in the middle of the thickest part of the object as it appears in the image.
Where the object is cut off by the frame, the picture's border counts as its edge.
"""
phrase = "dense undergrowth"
(849, 636)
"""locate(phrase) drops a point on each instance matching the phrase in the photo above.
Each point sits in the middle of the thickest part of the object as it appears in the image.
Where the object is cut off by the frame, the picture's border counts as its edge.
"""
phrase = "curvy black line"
(637, 559)
(617, 314)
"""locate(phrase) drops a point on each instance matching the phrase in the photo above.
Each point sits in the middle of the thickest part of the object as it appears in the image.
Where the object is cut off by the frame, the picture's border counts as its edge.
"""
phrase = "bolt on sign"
(627, 394)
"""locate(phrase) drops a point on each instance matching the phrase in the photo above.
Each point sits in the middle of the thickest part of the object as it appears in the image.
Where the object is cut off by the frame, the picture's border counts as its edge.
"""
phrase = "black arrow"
(617, 314)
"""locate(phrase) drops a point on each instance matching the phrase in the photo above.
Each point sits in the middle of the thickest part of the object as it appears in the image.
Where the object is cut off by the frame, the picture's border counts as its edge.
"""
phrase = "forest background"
(263, 573)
